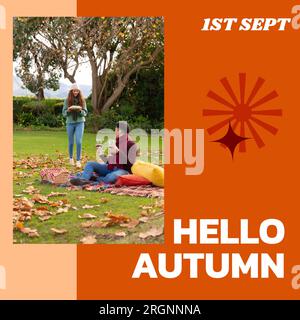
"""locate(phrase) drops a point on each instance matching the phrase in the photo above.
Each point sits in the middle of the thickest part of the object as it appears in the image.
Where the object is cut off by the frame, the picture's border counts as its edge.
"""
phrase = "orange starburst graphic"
(242, 112)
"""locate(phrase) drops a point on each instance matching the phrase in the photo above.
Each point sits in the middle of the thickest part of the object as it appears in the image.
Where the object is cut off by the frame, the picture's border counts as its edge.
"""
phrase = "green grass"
(50, 144)
(28, 143)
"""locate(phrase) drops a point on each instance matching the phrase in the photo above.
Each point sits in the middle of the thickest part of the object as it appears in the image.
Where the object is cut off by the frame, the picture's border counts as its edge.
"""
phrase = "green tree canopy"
(116, 48)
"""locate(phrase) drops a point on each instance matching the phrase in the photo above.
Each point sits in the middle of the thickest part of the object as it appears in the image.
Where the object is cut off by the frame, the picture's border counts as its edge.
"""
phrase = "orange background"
(259, 184)
(32, 271)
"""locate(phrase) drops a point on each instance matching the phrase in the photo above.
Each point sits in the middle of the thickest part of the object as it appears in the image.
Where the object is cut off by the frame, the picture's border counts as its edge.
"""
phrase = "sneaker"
(78, 164)
(79, 181)
(72, 162)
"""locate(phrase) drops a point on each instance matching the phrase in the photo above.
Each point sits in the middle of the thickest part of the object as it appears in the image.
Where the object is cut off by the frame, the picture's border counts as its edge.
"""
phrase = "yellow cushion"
(150, 171)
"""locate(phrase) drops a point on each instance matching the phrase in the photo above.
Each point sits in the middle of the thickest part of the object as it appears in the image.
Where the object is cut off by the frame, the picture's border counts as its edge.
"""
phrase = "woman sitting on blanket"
(119, 162)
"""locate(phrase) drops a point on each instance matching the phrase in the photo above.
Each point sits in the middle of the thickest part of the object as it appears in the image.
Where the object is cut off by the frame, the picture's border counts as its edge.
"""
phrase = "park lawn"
(52, 145)
(28, 143)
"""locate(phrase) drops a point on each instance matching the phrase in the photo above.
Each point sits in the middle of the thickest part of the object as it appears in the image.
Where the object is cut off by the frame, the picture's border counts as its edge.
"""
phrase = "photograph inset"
(88, 112)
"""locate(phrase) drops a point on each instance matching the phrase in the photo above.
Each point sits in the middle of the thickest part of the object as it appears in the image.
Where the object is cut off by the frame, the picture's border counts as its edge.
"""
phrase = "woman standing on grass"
(75, 111)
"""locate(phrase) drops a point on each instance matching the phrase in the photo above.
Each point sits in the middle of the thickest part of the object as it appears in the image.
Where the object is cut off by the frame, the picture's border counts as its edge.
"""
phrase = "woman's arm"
(84, 110)
(65, 109)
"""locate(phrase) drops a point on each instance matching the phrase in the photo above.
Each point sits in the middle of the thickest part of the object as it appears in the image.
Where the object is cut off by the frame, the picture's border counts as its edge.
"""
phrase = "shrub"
(141, 122)
(57, 108)
(89, 105)
(110, 118)
(18, 103)
(26, 119)
(29, 112)
(106, 120)
(50, 120)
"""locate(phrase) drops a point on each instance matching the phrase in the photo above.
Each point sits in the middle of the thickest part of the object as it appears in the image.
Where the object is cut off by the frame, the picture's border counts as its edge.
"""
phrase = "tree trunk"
(115, 95)
(95, 97)
(40, 94)
(121, 85)
(101, 104)
(95, 86)
(68, 76)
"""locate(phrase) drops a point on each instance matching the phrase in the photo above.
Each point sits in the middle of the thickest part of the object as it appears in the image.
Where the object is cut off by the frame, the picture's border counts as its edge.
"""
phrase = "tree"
(115, 48)
(36, 66)
(144, 95)
(59, 38)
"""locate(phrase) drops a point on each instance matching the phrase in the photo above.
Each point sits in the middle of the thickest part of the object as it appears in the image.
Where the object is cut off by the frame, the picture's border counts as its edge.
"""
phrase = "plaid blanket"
(147, 191)
(134, 191)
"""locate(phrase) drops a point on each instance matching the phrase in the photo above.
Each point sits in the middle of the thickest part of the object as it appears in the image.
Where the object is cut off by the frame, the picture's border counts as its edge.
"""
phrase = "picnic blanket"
(136, 191)
(147, 191)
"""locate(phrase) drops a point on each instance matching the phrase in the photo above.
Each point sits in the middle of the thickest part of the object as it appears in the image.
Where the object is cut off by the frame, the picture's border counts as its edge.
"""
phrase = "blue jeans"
(105, 175)
(77, 130)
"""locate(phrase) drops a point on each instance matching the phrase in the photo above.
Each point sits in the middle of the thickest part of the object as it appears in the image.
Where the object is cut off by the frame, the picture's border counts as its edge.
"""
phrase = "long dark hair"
(71, 98)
